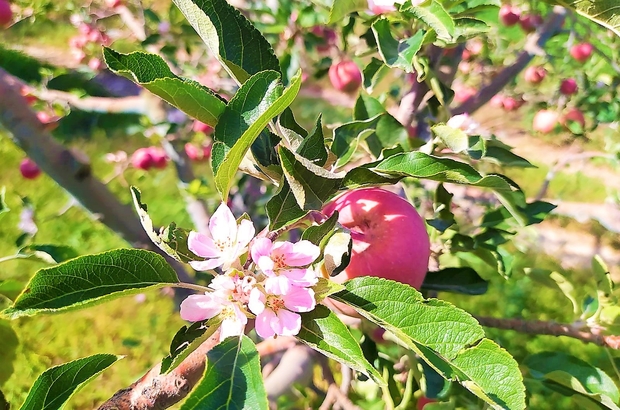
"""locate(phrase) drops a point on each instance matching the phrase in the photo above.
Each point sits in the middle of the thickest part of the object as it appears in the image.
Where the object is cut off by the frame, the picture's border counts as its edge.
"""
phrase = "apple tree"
(333, 242)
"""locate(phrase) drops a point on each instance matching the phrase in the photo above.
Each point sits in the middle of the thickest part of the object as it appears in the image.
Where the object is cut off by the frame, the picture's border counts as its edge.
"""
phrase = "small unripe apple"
(160, 159)
(6, 15)
(29, 169)
(389, 236)
(511, 104)
(509, 15)
(535, 74)
(345, 76)
(198, 154)
(199, 126)
(573, 115)
(142, 159)
(569, 86)
(581, 52)
(530, 22)
(545, 121)
(327, 35)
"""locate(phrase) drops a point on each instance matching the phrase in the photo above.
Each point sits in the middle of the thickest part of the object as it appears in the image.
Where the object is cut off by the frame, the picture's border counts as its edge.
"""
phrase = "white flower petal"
(223, 225)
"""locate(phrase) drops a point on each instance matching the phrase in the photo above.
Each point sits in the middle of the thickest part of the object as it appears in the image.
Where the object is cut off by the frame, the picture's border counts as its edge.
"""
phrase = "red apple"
(6, 15)
(509, 15)
(423, 401)
(142, 159)
(200, 126)
(462, 94)
(50, 122)
(535, 74)
(389, 236)
(497, 101)
(345, 76)
(198, 154)
(545, 121)
(113, 3)
(569, 86)
(160, 160)
(29, 169)
(573, 115)
(581, 52)
(511, 104)
(530, 22)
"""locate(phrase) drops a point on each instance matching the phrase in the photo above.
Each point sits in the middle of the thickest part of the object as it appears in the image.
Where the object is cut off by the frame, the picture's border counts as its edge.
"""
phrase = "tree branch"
(160, 391)
(538, 327)
(533, 47)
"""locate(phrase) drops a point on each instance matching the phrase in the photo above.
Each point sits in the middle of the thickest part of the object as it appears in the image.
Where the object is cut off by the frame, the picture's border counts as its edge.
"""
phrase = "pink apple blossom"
(284, 262)
(276, 312)
(201, 307)
(381, 6)
(229, 241)
(463, 122)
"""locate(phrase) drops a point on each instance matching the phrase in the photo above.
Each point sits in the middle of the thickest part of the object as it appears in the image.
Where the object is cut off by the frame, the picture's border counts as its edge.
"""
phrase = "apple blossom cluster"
(273, 288)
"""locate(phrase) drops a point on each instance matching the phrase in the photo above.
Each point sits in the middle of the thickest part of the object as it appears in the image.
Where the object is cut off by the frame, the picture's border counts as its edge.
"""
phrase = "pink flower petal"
(222, 283)
(206, 265)
(256, 304)
(265, 263)
(301, 277)
(245, 233)
(223, 225)
(303, 253)
(202, 245)
(288, 323)
(299, 299)
(200, 307)
(263, 323)
(260, 247)
(277, 285)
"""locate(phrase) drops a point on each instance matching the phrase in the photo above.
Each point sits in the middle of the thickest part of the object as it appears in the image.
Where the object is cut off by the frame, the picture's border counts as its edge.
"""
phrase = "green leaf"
(604, 286)
(603, 12)
(311, 184)
(3, 206)
(313, 146)
(152, 72)
(324, 332)
(396, 54)
(48, 253)
(324, 288)
(454, 138)
(468, 27)
(448, 338)
(361, 177)
(282, 208)
(10, 288)
(186, 340)
(234, 41)
(315, 234)
(574, 374)
(420, 165)
(337, 253)
(435, 16)
(556, 280)
(341, 8)
(4, 404)
(232, 379)
(8, 351)
(171, 239)
(259, 99)
(92, 279)
(349, 135)
(56, 385)
(456, 280)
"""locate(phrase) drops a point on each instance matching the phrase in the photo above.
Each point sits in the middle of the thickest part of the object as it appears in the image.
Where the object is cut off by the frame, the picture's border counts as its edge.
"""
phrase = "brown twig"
(538, 327)
(160, 391)
(533, 46)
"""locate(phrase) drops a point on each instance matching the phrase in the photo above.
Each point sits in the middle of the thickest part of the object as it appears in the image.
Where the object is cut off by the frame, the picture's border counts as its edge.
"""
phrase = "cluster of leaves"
(256, 132)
